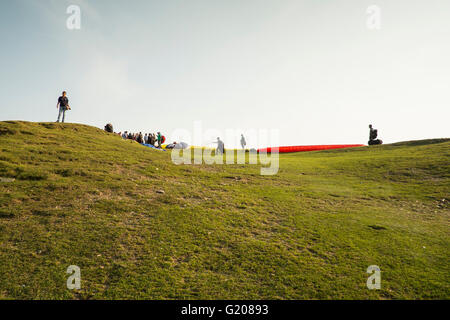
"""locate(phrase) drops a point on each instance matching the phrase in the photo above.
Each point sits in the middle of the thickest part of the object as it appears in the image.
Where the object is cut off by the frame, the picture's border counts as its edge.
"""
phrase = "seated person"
(109, 128)
(373, 137)
(171, 145)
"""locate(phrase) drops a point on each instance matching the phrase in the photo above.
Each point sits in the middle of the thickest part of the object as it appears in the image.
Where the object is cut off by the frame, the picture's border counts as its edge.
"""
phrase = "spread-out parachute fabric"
(309, 148)
(181, 145)
(152, 146)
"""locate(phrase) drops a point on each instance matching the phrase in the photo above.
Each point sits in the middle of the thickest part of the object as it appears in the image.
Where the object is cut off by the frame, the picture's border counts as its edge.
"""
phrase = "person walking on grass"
(63, 105)
(220, 146)
(243, 142)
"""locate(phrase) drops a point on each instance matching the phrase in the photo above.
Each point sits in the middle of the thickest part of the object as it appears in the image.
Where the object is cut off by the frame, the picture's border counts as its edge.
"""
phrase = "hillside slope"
(141, 227)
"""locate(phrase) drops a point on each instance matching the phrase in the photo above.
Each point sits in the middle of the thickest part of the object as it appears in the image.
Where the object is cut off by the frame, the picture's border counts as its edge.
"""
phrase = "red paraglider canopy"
(309, 148)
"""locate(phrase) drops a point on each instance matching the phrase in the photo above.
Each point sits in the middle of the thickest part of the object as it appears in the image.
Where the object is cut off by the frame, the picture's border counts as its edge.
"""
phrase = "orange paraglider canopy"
(309, 148)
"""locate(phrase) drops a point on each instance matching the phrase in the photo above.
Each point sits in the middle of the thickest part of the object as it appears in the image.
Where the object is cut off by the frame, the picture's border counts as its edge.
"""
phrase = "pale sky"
(311, 69)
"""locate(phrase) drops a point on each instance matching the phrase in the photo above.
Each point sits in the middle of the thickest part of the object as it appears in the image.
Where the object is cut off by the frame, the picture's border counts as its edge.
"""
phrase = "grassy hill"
(141, 227)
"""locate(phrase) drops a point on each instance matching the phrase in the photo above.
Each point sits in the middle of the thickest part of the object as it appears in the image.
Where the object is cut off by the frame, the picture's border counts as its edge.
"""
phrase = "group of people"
(153, 139)
(157, 139)
(221, 145)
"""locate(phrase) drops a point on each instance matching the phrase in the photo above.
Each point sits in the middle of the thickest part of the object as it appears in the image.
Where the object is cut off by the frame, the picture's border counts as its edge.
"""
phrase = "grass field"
(140, 227)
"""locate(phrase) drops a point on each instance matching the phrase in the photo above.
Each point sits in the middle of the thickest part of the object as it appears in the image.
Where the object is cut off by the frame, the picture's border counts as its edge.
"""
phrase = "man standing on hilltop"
(63, 105)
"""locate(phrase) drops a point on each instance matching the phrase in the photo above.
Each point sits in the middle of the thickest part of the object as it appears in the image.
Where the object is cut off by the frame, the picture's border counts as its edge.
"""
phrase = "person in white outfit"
(243, 142)
(220, 146)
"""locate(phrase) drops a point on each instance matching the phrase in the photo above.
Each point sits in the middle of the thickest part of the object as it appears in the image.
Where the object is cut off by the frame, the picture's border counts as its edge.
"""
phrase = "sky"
(307, 72)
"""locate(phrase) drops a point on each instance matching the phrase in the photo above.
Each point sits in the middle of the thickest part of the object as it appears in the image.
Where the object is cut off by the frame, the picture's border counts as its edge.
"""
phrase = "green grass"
(83, 197)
